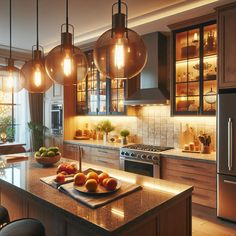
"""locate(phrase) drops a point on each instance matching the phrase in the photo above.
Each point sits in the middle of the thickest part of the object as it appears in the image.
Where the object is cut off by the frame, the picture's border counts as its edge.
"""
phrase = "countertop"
(156, 193)
(8, 144)
(177, 153)
(173, 153)
(96, 143)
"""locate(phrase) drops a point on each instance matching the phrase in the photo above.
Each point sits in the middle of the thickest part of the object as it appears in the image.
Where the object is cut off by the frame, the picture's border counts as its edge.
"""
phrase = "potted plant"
(124, 134)
(106, 127)
(6, 129)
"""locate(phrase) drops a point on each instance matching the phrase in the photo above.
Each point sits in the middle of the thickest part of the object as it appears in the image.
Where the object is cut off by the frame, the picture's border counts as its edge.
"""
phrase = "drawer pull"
(192, 166)
(229, 182)
(188, 178)
(103, 161)
(102, 151)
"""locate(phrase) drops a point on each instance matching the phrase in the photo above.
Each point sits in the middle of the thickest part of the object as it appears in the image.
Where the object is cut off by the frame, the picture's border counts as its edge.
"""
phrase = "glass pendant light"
(66, 64)
(36, 78)
(120, 53)
(11, 77)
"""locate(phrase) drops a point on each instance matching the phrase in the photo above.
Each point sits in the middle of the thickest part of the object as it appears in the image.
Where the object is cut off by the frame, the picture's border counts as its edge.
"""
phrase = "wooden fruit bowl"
(48, 161)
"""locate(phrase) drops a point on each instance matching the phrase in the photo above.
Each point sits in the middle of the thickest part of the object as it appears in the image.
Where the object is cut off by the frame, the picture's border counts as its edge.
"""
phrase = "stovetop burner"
(149, 148)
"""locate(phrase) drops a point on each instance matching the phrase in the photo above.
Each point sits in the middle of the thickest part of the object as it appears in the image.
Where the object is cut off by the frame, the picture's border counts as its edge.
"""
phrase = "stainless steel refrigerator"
(226, 156)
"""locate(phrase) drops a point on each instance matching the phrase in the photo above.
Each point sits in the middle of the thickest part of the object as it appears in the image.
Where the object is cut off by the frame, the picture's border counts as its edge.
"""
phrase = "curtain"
(36, 105)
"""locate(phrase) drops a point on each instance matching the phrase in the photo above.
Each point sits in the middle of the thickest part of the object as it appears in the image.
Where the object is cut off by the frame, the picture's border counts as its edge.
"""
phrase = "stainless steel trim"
(230, 143)
(145, 162)
(156, 167)
(229, 182)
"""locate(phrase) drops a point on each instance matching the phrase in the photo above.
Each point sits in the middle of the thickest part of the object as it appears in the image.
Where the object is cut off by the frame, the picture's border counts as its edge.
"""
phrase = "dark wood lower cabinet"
(201, 175)
(170, 219)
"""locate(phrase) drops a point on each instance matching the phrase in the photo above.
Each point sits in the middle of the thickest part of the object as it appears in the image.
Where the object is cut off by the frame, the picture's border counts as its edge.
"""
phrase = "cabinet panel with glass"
(97, 95)
(194, 70)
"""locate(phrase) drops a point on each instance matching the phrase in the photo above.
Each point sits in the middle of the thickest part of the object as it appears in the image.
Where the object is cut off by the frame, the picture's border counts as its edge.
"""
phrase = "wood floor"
(205, 223)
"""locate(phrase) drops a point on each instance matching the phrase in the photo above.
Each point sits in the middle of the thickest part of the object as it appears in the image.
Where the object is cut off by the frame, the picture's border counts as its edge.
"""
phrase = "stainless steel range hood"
(153, 78)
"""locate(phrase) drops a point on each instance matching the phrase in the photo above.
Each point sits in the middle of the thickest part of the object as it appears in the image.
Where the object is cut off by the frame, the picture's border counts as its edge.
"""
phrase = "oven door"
(140, 167)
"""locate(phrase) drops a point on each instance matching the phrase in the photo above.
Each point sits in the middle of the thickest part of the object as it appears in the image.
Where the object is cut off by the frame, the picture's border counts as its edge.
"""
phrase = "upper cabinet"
(98, 95)
(227, 46)
(194, 84)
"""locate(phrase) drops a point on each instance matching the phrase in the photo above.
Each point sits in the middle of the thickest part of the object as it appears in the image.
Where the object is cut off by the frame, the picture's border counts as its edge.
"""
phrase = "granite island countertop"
(155, 195)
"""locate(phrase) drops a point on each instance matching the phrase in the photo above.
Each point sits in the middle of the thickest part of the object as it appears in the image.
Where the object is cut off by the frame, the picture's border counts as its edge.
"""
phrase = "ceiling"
(91, 18)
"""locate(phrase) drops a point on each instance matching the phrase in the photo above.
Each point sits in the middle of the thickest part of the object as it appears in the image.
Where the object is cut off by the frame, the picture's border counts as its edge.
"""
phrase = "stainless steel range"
(142, 159)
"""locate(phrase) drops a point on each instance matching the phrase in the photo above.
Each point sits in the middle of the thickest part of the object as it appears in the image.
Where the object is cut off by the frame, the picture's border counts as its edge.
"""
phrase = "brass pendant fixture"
(120, 53)
(66, 64)
(11, 78)
(36, 78)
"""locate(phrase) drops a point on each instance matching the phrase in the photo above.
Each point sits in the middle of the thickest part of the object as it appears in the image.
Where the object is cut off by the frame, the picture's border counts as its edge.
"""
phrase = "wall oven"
(141, 159)
(56, 118)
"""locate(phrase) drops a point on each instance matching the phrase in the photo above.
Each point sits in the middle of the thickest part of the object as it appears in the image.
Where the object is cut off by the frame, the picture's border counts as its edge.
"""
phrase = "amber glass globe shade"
(66, 66)
(11, 79)
(120, 58)
(36, 78)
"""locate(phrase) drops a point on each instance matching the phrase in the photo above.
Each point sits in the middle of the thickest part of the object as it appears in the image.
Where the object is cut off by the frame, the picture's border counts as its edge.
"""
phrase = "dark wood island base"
(161, 208)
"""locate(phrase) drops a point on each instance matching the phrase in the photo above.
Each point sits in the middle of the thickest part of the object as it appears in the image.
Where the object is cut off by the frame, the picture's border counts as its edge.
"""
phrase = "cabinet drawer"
(204, 197)
(189, 166)
(101, 152)
(107, 162)
(203, 182)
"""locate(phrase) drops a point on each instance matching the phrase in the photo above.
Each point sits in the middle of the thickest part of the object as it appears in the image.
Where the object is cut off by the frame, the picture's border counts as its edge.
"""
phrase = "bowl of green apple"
(47, 156)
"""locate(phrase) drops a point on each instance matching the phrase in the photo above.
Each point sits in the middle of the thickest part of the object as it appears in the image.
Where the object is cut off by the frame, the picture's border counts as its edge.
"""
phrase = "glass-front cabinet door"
(97, 95)
(117, 98)
(194, 82)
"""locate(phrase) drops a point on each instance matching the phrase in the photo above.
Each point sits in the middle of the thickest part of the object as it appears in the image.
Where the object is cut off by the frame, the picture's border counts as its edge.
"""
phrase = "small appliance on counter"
(142, 159)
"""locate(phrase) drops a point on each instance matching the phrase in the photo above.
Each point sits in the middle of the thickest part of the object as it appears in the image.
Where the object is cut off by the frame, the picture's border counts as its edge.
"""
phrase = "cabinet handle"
(102, 151)
(103, 161)
(229, 182)
(230, 142)
(188, 178)
(187, 165)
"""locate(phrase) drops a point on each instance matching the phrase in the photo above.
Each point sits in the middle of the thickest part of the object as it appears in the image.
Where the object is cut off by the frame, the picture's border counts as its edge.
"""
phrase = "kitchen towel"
(95, 201)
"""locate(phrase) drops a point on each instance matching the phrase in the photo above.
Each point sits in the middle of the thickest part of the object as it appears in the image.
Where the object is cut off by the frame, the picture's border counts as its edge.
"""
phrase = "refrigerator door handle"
(230, 143)
(229, 182)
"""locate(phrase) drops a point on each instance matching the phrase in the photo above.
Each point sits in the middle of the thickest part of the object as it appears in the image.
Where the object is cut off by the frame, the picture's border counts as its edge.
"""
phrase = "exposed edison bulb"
(119, 56)
(37, 77)
(10, 80)
(67, 65)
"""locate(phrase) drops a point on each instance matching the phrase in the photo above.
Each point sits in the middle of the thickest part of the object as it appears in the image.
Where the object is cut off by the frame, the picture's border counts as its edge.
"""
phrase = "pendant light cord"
(10, 31)
(37, 24)
(67, 19)
(119, 6)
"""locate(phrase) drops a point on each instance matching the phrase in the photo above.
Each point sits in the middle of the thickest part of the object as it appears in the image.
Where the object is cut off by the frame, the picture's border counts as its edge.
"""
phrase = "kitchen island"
(160, 208)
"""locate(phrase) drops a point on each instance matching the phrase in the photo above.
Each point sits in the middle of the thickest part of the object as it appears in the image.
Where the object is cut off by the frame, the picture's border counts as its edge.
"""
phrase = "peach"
(92, 175)
(91, 185)
(104, 182)
(111, 184)
(102, 176)
(60, 178)
(79, 179)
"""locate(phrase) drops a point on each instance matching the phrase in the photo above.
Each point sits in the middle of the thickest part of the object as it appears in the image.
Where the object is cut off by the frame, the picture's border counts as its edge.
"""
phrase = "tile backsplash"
(153, 125)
